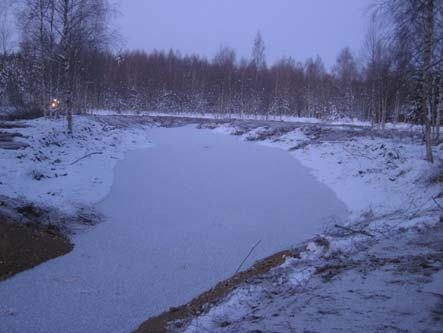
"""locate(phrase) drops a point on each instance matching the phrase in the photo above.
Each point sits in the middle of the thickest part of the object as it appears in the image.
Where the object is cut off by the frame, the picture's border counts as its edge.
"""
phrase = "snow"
(436, 285)
(237, 116)
(50, 156)
(392, 287)
(367, 174)
(301, 276)
(386, 185)
(224, 192)
(233, 309)
(181, 216)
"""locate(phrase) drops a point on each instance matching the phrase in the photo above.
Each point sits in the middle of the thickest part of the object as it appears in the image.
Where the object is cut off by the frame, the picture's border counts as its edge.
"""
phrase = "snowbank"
(52, 170)
(369, 174)
(235, 116)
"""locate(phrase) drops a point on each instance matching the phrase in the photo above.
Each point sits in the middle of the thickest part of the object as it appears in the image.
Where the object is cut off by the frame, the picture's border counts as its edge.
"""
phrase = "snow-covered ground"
(382, 273)
(369, 266)
(236, 116)
(49, 171)
(367, 174)
(180, 217)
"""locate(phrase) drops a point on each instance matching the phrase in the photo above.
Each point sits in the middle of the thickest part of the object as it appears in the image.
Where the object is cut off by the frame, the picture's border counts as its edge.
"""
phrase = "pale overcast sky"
(296, 28)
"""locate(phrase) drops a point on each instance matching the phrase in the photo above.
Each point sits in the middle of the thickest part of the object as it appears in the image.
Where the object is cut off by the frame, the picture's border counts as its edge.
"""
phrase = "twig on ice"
(250, 252)
(87, 155)
(353, 231)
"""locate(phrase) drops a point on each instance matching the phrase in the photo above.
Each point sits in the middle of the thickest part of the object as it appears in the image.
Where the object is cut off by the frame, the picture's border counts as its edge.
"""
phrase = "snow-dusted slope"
(47, 172)
(367, 172)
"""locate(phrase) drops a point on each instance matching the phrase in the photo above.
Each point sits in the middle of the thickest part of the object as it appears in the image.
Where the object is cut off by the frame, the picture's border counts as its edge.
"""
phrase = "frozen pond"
(181, 217)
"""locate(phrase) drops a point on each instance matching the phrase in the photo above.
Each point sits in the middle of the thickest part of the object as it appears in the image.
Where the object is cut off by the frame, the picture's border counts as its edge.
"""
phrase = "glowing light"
(55, 103)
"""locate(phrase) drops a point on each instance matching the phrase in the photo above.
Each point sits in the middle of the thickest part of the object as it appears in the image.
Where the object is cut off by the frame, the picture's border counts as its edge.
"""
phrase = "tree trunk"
(425, 107)
(67, 65)
(438, 116)
(372, 106)
(43, 99)
(397, 106)
(51, 51)
(384, 106)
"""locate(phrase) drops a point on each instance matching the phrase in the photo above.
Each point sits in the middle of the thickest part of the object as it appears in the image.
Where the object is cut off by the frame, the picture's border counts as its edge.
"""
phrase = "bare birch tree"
(414, 20)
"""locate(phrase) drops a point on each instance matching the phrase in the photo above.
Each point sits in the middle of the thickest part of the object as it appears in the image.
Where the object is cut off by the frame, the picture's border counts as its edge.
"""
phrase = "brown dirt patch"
(23, 246)
(204, 301)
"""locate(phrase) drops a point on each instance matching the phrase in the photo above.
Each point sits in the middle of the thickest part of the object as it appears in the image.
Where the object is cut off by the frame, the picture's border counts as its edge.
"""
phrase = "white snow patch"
(299, 277)
(367, 174)
(238, 116)
(313, 250)
(225, 129)
(233, 308)
(47, 172)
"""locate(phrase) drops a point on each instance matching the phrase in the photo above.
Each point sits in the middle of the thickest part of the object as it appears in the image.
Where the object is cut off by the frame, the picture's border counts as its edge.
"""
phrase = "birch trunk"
(67, 64)
(438, 116)
(425, 108)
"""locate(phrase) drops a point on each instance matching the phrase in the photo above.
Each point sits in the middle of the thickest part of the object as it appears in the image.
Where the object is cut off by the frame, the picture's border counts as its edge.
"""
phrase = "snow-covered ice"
(181, 217)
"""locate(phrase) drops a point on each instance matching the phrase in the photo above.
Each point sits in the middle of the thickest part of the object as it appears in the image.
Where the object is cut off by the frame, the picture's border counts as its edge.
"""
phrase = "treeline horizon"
(167, 81)
(64, 53)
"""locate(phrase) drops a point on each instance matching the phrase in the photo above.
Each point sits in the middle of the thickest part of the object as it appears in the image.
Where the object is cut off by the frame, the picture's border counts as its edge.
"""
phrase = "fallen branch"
(87, 155)
(356, 154)
(250, 252)
(436, 202)
(363, 232)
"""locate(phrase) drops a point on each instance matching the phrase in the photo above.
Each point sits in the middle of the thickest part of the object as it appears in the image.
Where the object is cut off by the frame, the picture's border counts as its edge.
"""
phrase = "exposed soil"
(23, 246)
(159, 324)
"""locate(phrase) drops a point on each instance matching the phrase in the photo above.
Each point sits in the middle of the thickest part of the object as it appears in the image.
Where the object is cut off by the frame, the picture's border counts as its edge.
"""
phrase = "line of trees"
(57, 40)
(64, 53)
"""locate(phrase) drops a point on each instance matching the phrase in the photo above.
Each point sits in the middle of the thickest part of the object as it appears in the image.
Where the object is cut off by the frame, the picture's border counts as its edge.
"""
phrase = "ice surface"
(182, 216)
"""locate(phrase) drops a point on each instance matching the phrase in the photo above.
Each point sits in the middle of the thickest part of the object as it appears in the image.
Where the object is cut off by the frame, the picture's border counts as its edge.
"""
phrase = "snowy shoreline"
(247, 117)
(365, 172)
(390, 191)
(128, 252)
(68, 173)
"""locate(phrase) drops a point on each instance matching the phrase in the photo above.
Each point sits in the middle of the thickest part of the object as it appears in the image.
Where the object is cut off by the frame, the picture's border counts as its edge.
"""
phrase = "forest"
(66, 51)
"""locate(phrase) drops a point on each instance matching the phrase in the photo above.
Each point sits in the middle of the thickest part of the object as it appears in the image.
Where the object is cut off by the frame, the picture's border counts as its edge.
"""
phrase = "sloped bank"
(391, 241)
(48, 181)
(27, 238)
(51, 168)
(32, 234)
